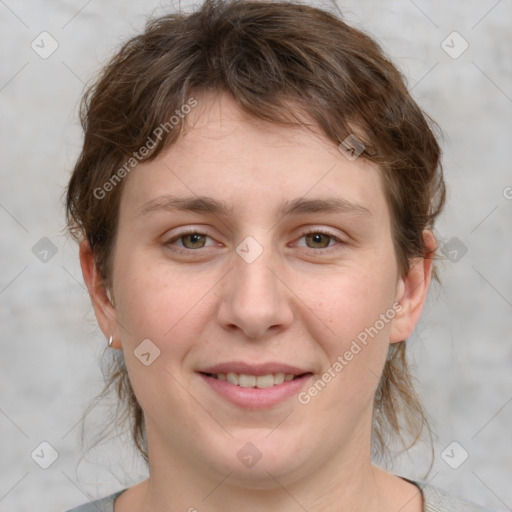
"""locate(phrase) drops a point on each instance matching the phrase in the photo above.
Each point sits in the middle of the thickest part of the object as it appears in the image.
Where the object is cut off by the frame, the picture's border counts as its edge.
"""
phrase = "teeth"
(250, 381)
(279, 378)
(246, 381)
(264, 381)
(232, 378)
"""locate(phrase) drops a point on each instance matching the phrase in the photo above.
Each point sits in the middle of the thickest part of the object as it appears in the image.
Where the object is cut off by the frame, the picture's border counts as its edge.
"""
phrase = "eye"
(318, 239)
(190, 240)
(193, 241)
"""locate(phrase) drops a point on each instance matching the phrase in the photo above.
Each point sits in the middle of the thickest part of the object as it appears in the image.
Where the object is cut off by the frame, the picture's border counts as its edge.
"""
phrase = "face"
(256, 293)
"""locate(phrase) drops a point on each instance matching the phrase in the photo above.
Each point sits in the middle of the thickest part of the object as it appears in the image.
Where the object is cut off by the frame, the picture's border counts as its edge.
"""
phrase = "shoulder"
(437, 500)
(105, 504)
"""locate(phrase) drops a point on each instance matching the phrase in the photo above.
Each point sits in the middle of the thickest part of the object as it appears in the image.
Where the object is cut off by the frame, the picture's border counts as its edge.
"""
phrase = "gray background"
(50, 345)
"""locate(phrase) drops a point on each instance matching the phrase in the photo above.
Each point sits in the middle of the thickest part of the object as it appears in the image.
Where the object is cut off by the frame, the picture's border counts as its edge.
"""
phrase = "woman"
(255, 202)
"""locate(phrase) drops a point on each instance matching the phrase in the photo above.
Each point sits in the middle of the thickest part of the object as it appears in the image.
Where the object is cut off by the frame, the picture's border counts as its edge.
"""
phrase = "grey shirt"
(434, 499)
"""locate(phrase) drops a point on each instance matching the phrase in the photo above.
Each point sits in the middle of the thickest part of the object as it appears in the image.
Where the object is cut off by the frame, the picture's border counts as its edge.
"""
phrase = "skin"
(295, 304)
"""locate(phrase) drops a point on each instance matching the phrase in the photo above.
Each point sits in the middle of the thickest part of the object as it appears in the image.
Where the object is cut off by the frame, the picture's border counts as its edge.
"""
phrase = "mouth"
(255, 386)
(244, 380)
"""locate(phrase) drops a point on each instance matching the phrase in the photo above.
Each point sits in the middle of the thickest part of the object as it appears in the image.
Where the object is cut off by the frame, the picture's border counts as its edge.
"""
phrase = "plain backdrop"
(50, 345)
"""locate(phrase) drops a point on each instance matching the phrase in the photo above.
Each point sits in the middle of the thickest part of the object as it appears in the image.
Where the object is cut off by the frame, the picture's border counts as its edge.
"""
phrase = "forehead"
(249, 164)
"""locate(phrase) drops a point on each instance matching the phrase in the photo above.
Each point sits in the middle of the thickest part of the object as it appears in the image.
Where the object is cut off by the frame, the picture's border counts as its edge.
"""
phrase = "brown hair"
(285, 63)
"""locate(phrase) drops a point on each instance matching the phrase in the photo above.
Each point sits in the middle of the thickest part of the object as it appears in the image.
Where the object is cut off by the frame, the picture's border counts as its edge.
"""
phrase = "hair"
(284, 63)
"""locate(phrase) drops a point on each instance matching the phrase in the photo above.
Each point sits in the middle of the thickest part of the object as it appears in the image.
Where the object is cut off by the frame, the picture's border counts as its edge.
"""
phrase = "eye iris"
(196, 241)
(319, 240)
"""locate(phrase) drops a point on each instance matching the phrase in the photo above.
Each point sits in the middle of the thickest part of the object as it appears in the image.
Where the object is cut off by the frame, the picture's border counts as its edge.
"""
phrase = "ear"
(412, 292)
(103, 308)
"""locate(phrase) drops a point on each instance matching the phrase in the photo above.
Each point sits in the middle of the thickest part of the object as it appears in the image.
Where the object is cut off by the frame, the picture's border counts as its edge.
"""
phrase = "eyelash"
(325, 232)
(332, 236)
(181, 235)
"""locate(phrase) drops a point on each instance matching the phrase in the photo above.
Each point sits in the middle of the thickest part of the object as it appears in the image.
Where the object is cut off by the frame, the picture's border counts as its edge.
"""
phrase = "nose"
(254, 300)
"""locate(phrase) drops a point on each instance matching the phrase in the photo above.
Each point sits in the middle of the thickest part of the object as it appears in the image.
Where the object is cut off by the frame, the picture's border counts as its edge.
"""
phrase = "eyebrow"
(328, 205)
(202, 204)
(205, 204)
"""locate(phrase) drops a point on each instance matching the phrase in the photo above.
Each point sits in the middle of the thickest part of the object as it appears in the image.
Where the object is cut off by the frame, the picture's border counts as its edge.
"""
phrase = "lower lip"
(256, 398)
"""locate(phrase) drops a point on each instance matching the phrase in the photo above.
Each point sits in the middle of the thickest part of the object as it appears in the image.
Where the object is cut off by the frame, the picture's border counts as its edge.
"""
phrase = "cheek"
(157, 299)
(349, 303)
(161, 306)
(356, 312)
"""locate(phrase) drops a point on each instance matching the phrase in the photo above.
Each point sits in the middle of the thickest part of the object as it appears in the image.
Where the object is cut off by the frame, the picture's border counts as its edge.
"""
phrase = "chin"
(259, 462)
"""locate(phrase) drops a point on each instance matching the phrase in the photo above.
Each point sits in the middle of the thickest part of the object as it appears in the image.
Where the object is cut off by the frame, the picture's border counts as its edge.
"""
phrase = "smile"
(254, 387)
(251, 381)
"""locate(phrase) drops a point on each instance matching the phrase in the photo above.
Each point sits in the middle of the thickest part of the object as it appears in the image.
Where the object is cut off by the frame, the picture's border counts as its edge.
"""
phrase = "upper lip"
(253, 369)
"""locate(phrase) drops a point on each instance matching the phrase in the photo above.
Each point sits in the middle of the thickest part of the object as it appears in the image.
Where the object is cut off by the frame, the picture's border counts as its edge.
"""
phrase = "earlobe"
(412, 292)
(100, 297)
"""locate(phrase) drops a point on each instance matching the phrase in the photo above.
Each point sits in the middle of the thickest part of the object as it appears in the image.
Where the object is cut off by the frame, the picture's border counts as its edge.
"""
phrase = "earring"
(110, 341)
